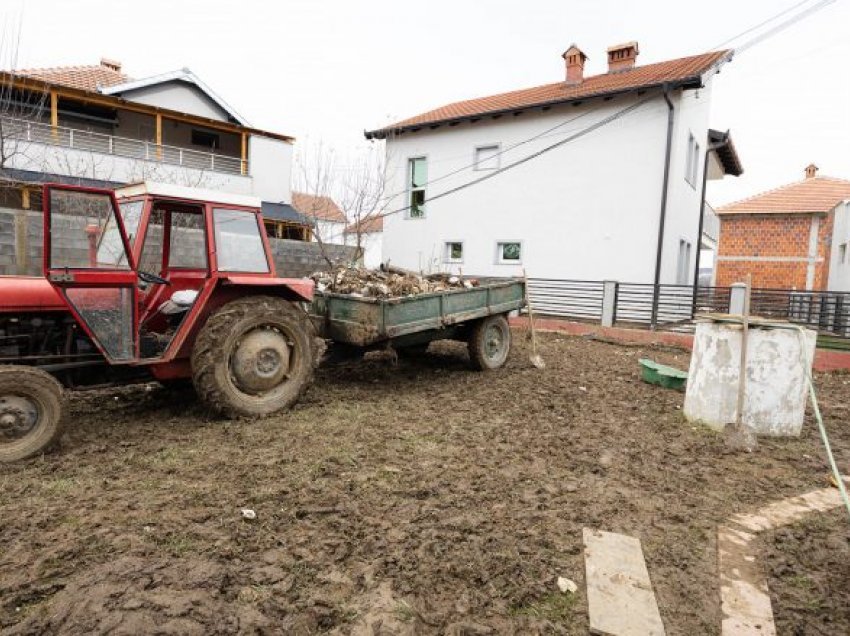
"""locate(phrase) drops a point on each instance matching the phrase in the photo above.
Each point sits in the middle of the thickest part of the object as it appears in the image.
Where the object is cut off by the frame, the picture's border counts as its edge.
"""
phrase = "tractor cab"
(141, 267)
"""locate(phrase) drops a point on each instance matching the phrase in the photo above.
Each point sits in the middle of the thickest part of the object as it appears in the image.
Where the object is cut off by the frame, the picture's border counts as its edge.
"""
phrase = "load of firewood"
(387, 282)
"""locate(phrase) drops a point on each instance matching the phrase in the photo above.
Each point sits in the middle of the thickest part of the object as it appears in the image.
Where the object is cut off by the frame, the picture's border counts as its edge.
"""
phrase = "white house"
(94, 124)
(368, 234)
(839, 255)
(590, 177)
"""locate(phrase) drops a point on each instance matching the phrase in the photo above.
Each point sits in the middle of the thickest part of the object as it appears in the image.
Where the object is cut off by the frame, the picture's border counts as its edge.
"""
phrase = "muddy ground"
(419, 498)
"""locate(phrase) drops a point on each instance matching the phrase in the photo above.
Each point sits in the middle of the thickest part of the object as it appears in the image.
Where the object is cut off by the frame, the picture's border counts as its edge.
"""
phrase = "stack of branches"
(388, 282)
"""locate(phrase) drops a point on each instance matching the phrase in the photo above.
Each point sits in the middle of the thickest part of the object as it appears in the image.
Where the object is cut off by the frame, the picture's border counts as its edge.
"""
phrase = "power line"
(783, 25)
(760, 24)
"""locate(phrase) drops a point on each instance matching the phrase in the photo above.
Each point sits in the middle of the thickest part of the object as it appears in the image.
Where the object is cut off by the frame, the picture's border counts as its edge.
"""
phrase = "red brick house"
(783, 237)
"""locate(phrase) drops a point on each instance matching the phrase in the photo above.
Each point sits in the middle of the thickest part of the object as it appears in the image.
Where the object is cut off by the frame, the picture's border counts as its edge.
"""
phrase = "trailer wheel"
(489, 343)
(253, 357)
(30, 412)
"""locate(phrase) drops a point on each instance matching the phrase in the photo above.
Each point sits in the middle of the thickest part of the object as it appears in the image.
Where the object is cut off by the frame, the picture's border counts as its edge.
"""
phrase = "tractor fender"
(289, 288)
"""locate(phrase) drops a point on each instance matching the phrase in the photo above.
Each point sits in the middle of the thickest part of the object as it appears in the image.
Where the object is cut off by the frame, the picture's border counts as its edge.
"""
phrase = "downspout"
(663, 213)
(711, 148)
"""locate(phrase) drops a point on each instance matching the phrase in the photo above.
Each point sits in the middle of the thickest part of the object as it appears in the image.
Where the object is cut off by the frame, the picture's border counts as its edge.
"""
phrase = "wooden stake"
(742, 375)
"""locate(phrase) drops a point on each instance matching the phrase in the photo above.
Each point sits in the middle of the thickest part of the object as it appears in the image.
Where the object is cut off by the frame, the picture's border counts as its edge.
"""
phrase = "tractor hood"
(28, 293)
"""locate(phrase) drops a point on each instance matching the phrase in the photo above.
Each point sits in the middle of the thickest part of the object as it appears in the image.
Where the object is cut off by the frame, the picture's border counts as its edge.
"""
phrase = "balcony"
(24, 132)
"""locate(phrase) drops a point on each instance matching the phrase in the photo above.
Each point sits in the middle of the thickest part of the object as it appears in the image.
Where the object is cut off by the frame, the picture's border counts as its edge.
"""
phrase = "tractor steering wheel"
(152, 279)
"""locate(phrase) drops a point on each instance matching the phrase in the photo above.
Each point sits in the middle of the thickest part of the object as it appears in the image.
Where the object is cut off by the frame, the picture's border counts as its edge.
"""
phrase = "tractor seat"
(179, 302)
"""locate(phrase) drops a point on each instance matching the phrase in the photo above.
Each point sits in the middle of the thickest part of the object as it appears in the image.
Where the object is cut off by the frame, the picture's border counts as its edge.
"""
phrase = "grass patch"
(556, 607)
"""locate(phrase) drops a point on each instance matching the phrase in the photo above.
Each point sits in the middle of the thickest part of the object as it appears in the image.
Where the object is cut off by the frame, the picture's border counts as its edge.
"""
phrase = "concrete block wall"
(295, 259)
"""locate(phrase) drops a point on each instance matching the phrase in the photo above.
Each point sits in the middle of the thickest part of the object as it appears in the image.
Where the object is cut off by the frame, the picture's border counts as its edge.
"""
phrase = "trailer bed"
(365, 322)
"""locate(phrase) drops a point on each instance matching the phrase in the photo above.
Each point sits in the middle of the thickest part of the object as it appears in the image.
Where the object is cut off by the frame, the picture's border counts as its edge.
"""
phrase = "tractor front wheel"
(253, 357)
(30, 412)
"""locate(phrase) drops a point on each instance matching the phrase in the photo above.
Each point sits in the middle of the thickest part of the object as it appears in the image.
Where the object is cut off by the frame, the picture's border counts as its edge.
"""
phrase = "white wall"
(586, 210)
(180, 96)
(372, 246)
(93, 165)
(270, 166)
(330, 232)
(839, 273)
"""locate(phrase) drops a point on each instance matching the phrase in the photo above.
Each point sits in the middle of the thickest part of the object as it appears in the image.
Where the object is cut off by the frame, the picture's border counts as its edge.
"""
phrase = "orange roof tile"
(321, 208)
(672, 71)
(369, 225)
(86, 78)
(813, 195)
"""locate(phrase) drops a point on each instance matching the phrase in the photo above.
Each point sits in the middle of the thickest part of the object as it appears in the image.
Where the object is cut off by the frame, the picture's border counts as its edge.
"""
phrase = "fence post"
(737, 294)
(609, 302)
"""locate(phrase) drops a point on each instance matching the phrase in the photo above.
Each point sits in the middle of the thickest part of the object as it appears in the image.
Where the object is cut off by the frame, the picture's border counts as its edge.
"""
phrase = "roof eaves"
(696, 80)
(183, 74)
(382, 133)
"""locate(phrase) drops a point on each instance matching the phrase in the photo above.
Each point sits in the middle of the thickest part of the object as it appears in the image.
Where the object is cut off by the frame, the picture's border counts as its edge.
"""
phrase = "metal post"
(737, 298)
(609, 302)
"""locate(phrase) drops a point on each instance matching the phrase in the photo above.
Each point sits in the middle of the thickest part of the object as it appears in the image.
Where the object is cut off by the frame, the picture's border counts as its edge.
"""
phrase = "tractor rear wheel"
(489, 343)
(30, 412)
(254, 357)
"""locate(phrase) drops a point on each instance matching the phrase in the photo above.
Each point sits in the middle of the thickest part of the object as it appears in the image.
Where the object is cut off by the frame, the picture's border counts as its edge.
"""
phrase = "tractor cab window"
(239, 244)
(84, 231)
(131, 214)
(187, 243)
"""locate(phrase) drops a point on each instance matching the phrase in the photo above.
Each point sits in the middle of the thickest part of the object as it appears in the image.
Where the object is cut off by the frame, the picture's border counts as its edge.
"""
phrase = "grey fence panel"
(566, 298)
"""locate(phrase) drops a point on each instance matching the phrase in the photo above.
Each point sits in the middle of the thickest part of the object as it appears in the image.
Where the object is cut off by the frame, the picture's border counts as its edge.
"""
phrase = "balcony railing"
(85, 141)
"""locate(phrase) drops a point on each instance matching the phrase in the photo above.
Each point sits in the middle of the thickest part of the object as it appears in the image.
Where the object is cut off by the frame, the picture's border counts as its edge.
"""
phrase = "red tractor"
(156, 281)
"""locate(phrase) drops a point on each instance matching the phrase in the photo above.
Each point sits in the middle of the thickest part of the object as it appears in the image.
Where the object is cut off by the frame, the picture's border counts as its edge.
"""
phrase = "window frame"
(213, 136)
(497, 157)
(218, 244)
(842, 253)
(500, 252)
(447, 258)
(411, 189)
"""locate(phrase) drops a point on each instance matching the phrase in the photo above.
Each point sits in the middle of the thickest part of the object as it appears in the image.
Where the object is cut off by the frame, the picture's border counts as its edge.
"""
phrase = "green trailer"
(477, 315)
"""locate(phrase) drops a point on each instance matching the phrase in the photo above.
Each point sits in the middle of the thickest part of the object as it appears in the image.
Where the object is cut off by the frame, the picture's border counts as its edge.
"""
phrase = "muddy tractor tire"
(31, 405)
(253, 357)
(489, 343)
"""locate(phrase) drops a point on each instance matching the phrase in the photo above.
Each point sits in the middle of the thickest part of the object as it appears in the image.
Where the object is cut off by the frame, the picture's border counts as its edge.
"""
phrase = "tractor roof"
(169, 191)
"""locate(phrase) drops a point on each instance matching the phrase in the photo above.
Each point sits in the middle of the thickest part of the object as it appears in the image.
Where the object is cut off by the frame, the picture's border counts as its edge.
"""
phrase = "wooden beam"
(244, 153)
(25, 198)
(54, 113)
(158, 136)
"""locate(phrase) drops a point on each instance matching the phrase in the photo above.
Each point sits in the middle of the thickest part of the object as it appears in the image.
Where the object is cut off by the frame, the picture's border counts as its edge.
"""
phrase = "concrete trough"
(776, 387)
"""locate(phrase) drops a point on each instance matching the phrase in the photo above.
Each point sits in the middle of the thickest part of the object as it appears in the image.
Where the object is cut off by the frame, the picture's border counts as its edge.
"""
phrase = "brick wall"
(770, 238)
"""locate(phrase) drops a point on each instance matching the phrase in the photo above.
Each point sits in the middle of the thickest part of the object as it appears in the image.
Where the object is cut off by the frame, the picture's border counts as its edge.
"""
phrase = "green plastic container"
(662, 375)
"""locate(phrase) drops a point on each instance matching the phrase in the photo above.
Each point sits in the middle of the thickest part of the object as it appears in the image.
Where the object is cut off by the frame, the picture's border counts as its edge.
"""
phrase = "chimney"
(112, 65)
(621, 57)
(811, 171)
(574, 59)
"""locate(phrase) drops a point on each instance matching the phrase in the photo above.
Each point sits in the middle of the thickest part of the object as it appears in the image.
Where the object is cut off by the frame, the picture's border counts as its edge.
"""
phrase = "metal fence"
(631, 304)
(24, 131)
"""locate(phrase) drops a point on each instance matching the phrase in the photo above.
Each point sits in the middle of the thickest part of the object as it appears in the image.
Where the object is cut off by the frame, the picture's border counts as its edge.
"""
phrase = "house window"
(509, 252)
(684, 262)
(487, 157)
(692, 164)
(417, 169)
(206, 139)
(453, 252)
(842, 253)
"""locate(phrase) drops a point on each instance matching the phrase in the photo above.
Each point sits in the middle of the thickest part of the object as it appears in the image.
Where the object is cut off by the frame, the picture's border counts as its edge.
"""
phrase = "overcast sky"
(328, 69)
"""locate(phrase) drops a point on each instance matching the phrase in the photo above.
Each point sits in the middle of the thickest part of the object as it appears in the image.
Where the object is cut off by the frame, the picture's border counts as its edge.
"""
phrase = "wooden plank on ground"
(619, 594)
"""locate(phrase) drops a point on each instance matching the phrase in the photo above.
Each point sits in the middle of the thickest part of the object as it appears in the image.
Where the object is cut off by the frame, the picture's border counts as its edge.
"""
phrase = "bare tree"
(22, 109)
(358, 187)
